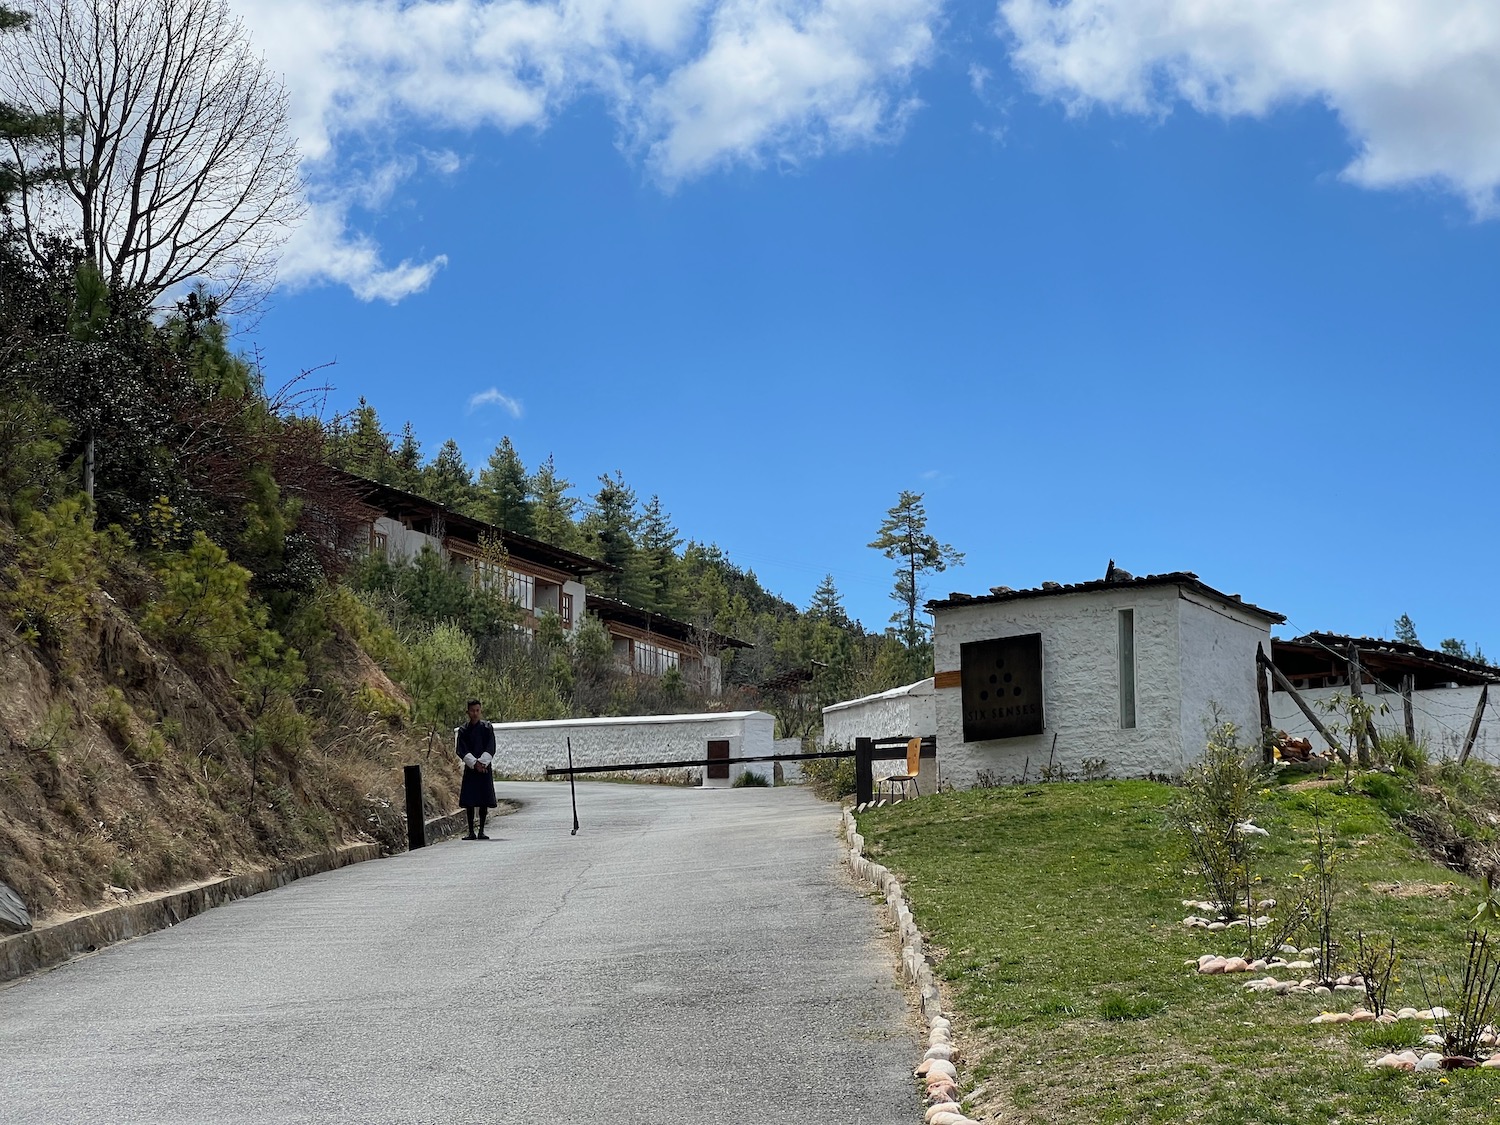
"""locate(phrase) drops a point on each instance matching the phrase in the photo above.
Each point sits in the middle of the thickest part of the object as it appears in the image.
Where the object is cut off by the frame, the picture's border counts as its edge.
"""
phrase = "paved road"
(638, 972)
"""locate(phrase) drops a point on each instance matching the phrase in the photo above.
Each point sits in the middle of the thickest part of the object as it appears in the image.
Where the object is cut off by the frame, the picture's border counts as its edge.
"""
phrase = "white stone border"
(937, 1065)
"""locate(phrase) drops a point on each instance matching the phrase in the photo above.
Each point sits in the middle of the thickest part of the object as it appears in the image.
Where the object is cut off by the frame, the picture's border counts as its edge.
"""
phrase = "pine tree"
(1406, 630)
(611, 528)
(502, 490)
(903, 536)
(659, 543)
(447, 479)
(552, 509)
(360, 446)
(827, 604)
(406, 466)
(20, 128)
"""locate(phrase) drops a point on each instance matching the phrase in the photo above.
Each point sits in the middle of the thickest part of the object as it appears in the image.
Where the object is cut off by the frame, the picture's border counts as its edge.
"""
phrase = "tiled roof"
(1183, 578)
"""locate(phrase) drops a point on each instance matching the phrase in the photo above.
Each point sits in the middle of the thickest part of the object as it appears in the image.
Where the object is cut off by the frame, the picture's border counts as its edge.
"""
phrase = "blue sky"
(1164, 282)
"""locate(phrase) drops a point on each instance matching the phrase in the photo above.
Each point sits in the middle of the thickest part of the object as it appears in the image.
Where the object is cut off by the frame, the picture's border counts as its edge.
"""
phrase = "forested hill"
(658, 567)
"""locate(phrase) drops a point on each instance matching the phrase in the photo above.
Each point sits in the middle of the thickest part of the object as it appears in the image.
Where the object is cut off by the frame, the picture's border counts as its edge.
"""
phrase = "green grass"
(1053, 912)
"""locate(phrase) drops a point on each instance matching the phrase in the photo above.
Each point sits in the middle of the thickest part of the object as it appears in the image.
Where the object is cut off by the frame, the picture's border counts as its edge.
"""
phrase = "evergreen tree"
(447, 479)
(552, 508)
(611, 528)
(21, 128)
(1455, 647)
(659, 543)
(406, 466)
(360, 446)
(502, 490)
(1406, 630)
(903, 536)
(827, 604)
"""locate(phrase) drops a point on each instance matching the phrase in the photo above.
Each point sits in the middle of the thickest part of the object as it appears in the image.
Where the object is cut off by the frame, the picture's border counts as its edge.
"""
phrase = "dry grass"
(125, 769)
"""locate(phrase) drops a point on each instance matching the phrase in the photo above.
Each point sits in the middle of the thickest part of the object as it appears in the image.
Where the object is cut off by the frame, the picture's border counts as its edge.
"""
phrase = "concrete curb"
(51, 943)
(937, 1067)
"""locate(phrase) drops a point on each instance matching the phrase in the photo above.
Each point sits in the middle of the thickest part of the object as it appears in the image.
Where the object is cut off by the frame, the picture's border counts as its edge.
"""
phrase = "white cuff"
(469, 760)
(486, 758)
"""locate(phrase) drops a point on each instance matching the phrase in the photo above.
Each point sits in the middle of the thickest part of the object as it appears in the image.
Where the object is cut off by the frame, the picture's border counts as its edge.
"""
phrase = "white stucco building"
(1115, 677)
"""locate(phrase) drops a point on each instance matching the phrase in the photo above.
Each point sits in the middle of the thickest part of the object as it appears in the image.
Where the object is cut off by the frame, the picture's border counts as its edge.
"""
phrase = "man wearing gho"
(476, 746)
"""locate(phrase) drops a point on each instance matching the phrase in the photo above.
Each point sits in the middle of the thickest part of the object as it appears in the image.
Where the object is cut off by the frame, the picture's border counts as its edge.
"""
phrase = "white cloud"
(979, 76)
(323, 249)
(786, 80)
(443, 161)
(495, 397)
(695, 84)
(1415, 82)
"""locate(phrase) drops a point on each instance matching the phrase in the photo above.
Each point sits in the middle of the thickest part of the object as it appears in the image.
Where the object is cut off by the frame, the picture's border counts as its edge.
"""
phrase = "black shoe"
(482, 836)
(471, 836)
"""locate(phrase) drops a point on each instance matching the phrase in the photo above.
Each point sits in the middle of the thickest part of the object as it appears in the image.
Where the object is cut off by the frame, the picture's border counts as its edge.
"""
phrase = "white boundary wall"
(903, 712)
(527, 749)
(1442, 717)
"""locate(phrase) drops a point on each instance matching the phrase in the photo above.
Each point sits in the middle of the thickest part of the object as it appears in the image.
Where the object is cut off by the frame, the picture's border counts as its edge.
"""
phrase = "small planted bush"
(749, 780)
(1220, 795)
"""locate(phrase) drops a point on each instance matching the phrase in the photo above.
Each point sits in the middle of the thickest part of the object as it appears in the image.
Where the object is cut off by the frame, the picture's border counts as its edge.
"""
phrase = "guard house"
(1115, 677)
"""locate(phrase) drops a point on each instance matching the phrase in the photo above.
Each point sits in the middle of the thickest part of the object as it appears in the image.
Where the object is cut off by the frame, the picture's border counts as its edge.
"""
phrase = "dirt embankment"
(122, 769)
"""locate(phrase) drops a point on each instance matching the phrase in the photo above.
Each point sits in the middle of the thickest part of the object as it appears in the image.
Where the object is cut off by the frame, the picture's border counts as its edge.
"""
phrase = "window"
(378, 543)
(1127, 669)
(521, 588)
(653, 660)
(565, 609)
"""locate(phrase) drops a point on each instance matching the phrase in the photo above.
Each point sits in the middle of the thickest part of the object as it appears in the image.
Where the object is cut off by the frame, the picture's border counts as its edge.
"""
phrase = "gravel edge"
(937, 1066)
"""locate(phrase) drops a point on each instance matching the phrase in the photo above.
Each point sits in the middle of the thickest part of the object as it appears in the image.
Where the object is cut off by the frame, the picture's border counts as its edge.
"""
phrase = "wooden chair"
(913, 762)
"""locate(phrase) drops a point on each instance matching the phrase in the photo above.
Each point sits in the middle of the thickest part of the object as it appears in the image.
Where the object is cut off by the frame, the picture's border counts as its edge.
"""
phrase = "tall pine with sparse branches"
(903, 537)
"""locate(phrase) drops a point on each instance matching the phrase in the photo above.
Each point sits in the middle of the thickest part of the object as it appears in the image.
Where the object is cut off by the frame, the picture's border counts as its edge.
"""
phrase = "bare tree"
(178, 165)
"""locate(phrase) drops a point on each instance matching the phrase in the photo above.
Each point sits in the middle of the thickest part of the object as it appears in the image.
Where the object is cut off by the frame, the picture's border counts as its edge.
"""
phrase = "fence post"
(864, 772)
(416, 818)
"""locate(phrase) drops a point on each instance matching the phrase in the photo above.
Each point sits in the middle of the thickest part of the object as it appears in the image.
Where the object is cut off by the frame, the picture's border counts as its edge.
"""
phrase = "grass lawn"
(1054, 914)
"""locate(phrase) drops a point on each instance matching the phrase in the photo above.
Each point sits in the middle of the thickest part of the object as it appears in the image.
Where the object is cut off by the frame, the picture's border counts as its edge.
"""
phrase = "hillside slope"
(125, 766)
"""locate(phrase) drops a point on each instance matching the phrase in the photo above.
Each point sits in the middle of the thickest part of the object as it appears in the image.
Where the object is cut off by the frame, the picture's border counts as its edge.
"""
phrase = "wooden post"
(1484, 695)
(416, 817)
(1356, 689)
(1409, 685)
(864, 772)
(1286, 686)
(1263, 689)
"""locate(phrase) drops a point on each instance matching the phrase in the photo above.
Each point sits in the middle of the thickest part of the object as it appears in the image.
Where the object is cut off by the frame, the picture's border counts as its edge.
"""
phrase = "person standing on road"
(475, 745)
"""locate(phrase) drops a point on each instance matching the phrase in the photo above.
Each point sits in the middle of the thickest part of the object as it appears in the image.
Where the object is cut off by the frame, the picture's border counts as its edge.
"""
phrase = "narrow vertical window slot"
(1127, 669)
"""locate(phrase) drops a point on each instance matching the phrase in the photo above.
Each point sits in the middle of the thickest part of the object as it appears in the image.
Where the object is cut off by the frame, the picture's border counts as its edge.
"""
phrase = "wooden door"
(718, 748)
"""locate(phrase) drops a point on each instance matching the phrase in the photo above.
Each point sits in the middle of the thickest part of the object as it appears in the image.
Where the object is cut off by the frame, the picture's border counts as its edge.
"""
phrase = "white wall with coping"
(528, 749)
(791, 772)
(1217, 646)
(1441, 715)
(1189, 652)
(909, 711)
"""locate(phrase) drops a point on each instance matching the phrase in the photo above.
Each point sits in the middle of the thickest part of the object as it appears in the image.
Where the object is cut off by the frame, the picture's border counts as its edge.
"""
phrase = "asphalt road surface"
(690, 956)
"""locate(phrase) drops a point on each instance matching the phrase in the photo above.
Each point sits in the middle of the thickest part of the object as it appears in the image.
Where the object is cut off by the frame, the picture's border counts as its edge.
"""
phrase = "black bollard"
(864, 772)
(416, 817)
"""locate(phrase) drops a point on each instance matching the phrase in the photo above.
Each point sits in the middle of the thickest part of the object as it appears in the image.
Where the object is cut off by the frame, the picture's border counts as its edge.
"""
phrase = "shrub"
(59, 560)
(831, 778)
(1401, 752)
(204, 602)
(1219, 794)
(749, 780)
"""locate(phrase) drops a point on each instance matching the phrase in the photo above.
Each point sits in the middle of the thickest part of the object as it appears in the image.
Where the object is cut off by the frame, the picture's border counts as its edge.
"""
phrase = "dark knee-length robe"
(475, 744)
